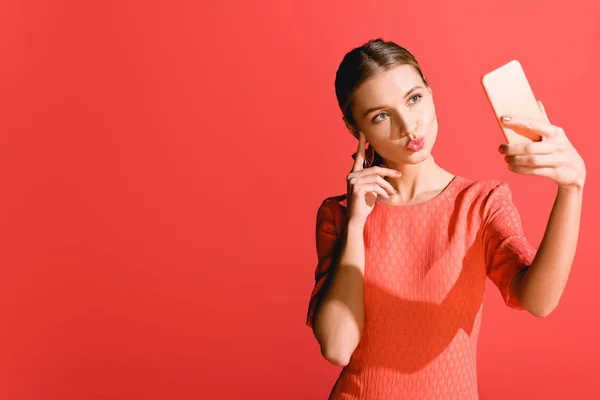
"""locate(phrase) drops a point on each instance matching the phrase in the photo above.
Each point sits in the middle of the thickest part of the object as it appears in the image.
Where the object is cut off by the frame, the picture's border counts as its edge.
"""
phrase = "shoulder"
(333, 210)
(484, 197)
(335, 201)
(485, 189)
(490, 198)
(334, 205)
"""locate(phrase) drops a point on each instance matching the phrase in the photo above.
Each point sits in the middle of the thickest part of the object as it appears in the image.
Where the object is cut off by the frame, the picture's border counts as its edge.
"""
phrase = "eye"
(415, 98)
(377, 117)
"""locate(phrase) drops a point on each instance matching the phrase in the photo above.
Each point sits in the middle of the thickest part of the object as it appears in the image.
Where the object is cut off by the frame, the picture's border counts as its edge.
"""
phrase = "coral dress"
(424, 283)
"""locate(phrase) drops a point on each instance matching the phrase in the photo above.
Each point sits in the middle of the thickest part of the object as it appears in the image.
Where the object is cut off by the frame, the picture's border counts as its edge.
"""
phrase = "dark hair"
(364, 62)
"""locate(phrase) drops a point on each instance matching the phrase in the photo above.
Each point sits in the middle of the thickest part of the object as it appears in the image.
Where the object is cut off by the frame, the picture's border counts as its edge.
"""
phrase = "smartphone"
(508, 92)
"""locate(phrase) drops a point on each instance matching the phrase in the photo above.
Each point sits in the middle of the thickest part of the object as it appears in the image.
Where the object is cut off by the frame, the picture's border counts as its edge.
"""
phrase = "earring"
(369, 156)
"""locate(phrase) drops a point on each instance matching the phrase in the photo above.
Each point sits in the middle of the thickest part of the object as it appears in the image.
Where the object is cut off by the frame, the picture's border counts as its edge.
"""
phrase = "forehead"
(387, 87)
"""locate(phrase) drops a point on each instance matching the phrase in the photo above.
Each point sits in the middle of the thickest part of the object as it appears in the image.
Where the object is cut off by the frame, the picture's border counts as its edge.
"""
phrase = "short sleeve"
(330, 220)
(506, 250)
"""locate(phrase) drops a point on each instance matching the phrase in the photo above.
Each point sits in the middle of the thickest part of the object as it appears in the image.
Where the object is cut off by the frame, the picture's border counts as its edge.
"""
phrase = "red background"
(161, 164)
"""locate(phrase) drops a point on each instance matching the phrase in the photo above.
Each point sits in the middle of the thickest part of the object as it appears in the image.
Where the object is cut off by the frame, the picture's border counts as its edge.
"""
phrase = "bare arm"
(540, 287)
(339, 319)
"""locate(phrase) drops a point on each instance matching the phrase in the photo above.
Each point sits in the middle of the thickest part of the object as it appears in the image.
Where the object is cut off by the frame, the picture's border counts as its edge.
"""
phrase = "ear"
(351, 128)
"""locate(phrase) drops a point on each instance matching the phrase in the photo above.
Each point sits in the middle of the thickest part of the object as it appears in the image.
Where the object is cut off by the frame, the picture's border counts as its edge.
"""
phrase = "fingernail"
(501, 149)
(510, 167)
(506, 158)
(506, 118)
(398, 173)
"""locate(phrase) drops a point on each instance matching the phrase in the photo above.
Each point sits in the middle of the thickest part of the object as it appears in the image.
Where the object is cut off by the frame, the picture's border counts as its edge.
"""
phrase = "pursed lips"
(416, 144)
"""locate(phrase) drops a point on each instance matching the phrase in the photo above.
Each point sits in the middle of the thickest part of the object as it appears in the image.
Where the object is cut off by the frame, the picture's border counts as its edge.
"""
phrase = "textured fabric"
(425, 271)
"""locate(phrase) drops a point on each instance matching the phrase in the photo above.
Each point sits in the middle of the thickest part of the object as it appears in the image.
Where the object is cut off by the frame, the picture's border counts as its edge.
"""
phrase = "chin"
(418, 157)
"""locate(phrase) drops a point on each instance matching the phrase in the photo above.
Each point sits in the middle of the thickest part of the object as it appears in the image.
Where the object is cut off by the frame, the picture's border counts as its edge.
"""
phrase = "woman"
(403, 256)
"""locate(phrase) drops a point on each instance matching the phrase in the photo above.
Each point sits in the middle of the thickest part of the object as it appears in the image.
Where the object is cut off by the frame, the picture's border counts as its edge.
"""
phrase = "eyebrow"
(370, 110)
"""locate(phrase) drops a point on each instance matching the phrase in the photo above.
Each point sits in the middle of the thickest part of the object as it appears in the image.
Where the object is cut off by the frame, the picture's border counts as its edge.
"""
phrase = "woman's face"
(395, 111)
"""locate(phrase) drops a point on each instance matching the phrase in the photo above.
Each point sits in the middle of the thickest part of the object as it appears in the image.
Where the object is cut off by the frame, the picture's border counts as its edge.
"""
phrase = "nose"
(412, 131)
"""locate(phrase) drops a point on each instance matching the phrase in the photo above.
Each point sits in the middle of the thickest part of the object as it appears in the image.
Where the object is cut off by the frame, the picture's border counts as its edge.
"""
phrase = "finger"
(381, 171)
(378, 170)
(527, 148)
(538, 126)
(547, 172)
(387, 170)
(360, 153)
(543, 160)
(543, 111)
(373, 188)
(359, 181)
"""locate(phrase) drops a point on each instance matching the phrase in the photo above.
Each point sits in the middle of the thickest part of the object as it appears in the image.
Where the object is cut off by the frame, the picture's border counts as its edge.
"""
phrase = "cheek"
(431, 128)
(430, 119)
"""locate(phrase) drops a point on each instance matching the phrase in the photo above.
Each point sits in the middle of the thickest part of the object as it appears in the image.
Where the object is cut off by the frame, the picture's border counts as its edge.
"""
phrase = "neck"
(417, 180)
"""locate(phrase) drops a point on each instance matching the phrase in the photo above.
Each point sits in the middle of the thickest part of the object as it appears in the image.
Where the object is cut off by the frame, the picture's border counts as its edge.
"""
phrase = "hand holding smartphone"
(509, 93)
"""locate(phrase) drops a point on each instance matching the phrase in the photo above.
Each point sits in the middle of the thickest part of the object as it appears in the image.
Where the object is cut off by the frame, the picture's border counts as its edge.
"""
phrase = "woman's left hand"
(554, 157)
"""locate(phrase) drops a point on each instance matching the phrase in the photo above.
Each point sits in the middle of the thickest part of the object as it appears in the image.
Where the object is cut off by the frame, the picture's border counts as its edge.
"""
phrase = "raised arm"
(339, 318)
(540, 287)
(339, 314)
